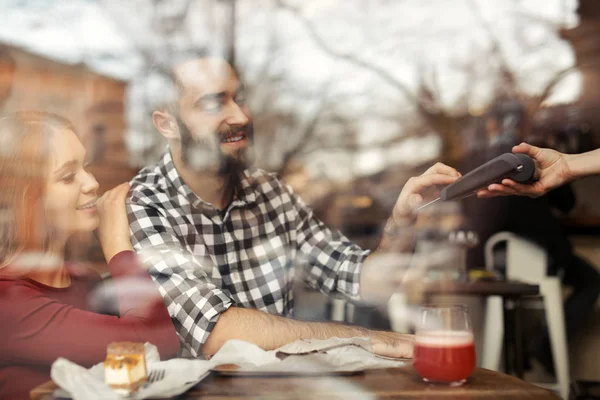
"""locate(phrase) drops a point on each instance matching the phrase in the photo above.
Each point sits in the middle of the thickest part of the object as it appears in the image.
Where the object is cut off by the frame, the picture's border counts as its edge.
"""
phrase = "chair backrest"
(525, 260)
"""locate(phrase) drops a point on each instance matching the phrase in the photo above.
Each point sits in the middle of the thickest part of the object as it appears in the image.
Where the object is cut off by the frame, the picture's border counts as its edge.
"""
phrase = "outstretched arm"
(414, 194)
(553, 169)
(384, 270)
(270, 332)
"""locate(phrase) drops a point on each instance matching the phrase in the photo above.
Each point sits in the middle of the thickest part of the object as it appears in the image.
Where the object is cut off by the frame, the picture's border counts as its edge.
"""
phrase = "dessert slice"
(125, 366)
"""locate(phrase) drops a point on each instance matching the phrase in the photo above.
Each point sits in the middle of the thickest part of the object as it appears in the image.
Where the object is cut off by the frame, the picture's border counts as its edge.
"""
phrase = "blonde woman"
(46, 196)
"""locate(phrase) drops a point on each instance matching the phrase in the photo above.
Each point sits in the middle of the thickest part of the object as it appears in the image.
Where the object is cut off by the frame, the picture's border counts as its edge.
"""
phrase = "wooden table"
(396, 383)
(511, 292)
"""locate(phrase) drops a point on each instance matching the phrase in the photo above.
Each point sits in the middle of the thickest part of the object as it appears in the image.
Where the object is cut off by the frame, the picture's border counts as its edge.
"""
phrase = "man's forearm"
(584, 164)
(383, 270)
(397, 237)
(270, 332)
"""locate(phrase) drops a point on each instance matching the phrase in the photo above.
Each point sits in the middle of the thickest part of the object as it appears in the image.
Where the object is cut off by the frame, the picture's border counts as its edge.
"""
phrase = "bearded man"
(224, 241)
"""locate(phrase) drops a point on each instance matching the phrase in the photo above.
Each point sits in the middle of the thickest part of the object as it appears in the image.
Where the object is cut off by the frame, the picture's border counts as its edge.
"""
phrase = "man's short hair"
(163, 87)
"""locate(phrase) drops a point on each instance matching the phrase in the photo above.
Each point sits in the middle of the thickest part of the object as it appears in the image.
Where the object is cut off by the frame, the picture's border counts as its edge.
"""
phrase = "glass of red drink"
(444, 347)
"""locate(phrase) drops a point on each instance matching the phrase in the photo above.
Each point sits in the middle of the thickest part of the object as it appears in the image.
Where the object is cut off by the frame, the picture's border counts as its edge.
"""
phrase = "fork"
(156, 375)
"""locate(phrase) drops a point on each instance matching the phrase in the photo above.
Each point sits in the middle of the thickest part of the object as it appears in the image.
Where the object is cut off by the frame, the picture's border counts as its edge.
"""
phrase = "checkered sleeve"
(193, 301)
(332, 263)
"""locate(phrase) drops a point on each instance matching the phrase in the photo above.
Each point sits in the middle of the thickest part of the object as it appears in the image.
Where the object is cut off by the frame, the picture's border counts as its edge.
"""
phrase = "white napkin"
(304, 346)
(81, 383)
(302, 356)
(308, 356)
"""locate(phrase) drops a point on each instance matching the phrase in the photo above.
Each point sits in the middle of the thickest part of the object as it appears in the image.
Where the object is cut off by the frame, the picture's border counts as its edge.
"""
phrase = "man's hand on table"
(393, 344)
(270, 332)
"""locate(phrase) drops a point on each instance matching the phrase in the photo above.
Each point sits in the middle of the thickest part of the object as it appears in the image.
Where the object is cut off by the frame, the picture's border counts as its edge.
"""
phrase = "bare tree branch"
(553, 83)
(430, 112)
(309, 130)
(509, 80)
(382, 73)
(354, 147)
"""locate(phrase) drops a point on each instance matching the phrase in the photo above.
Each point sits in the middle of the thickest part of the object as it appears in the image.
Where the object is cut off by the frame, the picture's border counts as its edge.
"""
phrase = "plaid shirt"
(205, 260)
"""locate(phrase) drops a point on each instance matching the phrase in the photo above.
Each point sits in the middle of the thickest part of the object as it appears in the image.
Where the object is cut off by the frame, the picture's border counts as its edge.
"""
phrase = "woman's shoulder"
(14, 289)
(79, 272)
(19, 294)
(7, 281)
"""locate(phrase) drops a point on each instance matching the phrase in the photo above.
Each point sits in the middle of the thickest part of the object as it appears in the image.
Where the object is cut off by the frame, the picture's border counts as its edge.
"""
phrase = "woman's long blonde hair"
(25, 152)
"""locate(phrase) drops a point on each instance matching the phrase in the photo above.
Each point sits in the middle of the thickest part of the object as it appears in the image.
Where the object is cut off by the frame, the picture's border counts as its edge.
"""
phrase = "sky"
(70, 31)
(86, 31)
(443, 42)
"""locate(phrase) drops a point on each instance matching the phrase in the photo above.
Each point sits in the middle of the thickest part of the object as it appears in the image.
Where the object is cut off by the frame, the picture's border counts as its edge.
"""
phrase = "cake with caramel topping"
(125, 366)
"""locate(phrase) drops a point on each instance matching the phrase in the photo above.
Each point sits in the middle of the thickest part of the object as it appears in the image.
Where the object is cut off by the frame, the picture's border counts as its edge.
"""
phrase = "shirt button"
(235, 276)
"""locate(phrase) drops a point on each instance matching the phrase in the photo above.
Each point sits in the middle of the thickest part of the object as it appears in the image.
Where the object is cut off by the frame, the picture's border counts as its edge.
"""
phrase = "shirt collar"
(245, 195)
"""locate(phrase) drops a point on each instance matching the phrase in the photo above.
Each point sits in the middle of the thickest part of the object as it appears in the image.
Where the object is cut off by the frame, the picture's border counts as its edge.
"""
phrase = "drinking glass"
(444, 346)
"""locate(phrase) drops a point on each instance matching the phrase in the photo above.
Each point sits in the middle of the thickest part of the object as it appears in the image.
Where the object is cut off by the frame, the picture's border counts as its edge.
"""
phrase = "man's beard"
(205, 155)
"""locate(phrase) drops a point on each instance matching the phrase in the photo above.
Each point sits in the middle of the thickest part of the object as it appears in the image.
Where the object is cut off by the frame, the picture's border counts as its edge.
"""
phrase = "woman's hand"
(113, 231)
(551, 171)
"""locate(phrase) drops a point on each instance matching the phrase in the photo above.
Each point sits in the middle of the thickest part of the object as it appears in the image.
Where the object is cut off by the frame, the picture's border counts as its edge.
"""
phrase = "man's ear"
(165, 124)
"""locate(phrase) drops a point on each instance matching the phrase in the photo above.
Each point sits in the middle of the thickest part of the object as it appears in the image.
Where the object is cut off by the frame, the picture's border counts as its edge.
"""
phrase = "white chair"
(338, 309)
(398, 313)
(341, 310)
(527, 262)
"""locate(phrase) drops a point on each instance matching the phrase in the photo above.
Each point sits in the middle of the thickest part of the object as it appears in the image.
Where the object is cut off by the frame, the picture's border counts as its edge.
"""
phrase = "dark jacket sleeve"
(562, 198)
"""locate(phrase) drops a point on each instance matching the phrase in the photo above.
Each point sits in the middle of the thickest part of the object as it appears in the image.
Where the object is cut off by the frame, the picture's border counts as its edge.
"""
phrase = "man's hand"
(422, 188)
(397, 235)
(552, 170)
(392, 344)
